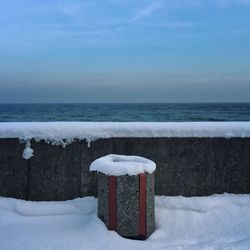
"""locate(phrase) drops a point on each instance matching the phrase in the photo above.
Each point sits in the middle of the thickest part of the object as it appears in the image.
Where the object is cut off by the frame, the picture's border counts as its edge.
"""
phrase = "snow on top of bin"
(122, 164)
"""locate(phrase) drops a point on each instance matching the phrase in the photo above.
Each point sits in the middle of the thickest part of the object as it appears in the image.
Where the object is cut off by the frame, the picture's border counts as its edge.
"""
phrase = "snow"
(63, 133)
(122, 164)
(214, 222)
(28, 151)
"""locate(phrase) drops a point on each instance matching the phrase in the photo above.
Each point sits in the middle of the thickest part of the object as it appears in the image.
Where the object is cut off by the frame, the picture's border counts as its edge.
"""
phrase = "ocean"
(121, 112)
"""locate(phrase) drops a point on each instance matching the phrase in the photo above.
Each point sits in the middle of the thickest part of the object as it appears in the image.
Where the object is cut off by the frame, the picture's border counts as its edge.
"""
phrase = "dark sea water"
(125, 112)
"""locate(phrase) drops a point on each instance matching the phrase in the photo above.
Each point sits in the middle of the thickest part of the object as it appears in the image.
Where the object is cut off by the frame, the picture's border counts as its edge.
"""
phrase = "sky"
(124, 51)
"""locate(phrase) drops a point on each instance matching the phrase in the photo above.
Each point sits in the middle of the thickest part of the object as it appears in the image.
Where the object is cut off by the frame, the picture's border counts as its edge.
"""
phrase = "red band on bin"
(142, 212)
(112, 203)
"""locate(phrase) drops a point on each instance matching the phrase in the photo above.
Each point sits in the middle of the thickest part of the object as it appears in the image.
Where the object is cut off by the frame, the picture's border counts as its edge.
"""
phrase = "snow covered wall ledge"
(63, 133)
(192, 158)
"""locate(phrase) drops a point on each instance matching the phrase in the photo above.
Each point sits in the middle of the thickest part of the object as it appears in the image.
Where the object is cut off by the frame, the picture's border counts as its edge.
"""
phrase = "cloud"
(65, 7)
(178, 24)
(146, 11)
(227, 2)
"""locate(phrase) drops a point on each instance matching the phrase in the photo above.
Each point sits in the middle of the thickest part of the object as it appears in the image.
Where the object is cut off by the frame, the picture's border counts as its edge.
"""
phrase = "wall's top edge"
(66, 132)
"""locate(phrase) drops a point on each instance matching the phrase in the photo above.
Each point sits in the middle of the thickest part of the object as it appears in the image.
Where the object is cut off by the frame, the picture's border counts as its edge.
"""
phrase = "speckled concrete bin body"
(126, 204)
(126, 194)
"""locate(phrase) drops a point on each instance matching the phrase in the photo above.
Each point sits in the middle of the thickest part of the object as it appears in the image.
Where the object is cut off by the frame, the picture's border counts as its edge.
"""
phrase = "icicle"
(88, 142)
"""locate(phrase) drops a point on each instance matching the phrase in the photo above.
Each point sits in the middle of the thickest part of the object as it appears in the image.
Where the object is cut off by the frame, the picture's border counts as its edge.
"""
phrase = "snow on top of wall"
(122, 164)
(63, 133)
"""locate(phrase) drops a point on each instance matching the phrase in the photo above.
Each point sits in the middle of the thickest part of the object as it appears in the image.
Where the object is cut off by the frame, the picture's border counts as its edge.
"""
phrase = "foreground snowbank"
(66, 132)
(215, 222)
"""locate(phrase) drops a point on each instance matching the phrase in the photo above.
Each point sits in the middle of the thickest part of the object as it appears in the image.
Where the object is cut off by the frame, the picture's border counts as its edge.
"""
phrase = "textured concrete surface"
(128, 206)
(150, 204)
(60, 173)
(185, 166)
(14, 171)
(103, 198)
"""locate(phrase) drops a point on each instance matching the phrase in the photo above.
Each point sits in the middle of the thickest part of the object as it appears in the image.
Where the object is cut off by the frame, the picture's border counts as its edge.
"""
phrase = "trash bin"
(126, 194)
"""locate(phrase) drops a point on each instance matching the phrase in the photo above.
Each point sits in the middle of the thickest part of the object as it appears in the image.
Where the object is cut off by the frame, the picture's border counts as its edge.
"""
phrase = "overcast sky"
(124, 51)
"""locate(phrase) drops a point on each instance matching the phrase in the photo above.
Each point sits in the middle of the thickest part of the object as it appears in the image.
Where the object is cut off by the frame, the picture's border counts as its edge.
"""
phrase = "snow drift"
(214, 222)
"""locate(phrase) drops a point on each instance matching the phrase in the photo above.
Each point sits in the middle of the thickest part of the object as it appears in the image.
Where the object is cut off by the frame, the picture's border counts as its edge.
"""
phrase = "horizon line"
(233, 102)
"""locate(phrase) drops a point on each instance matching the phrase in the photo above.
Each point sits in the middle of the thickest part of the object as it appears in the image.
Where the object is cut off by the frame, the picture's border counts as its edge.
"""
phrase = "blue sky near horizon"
(124, 51)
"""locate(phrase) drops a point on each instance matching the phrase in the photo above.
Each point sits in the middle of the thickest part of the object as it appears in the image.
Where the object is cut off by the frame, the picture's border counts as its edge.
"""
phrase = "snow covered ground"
(214, 222)
(66, 132)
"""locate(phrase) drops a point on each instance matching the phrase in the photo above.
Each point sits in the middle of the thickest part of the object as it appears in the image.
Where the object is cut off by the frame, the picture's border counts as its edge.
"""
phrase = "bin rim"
(117, 165)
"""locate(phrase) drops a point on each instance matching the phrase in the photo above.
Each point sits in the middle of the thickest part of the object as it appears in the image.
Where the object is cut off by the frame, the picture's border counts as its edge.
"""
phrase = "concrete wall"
(185, 166)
